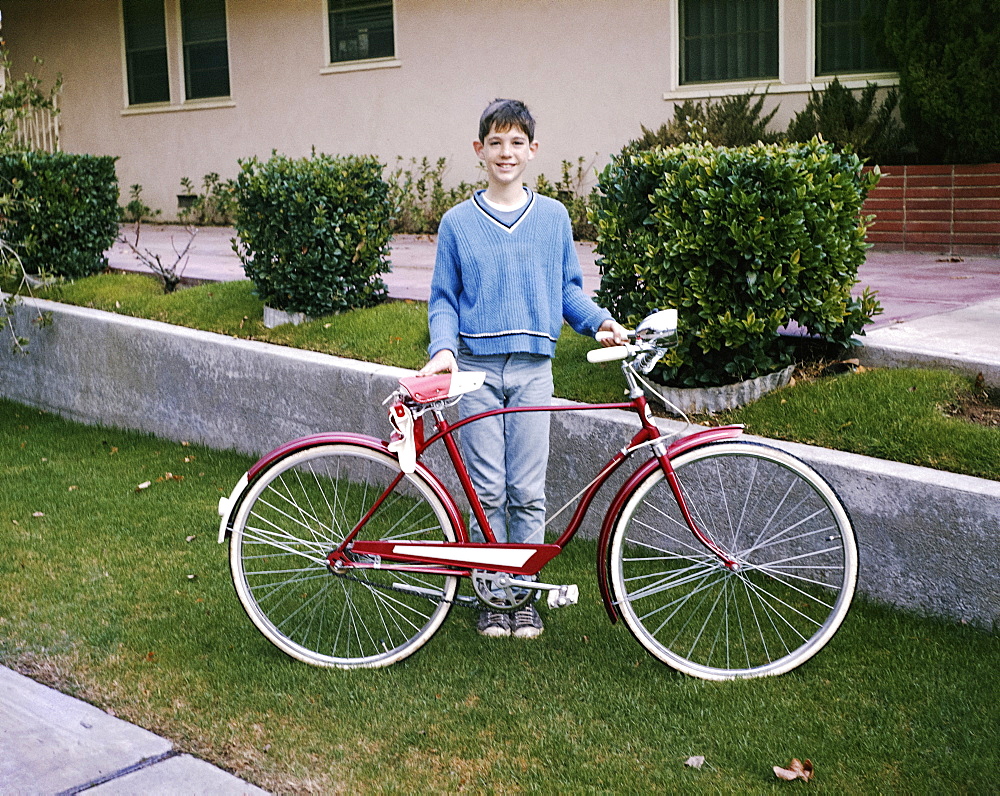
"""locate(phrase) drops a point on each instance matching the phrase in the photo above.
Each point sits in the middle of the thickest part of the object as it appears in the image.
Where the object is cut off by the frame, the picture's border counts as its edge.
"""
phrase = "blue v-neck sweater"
(505, 286)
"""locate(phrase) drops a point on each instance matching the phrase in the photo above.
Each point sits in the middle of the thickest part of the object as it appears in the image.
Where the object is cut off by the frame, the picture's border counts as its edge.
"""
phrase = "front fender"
(228, 507)
(682, 445)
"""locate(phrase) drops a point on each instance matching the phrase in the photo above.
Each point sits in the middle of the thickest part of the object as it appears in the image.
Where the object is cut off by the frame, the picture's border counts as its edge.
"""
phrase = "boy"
(505, 276)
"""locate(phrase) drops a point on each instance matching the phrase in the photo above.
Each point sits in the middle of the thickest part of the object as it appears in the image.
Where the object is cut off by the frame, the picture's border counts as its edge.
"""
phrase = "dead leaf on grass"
(797, 769)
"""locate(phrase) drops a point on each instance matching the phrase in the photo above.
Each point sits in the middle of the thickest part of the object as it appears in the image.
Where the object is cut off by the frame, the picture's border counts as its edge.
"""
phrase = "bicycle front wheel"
(299, 510)
(796, 557)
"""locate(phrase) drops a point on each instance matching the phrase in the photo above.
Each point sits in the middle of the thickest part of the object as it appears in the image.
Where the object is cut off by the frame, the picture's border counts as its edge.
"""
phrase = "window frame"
(336, 67)
(185, 46)
(789, 80)
(176, 73)
(681, 39)
(126, 72)
(815, 52)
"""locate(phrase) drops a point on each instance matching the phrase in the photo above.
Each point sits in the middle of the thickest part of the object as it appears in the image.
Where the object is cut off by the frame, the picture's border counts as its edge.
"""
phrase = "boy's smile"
(506, 155)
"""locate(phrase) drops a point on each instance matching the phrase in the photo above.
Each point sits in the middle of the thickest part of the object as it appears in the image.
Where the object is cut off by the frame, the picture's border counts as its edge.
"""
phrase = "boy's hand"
(442, 362)
(618, 334)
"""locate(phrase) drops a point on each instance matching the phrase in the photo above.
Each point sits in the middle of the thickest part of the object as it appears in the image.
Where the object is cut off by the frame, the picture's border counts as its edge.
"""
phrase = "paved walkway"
(910, 285)
(940, 311)
(936, 312)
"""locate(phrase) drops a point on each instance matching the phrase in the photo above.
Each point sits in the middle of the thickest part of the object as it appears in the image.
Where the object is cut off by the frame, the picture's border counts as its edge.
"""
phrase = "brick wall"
(946, 209)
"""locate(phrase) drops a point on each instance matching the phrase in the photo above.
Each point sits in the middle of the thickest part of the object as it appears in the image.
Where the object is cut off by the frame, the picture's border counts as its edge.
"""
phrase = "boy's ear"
(477, 146)
(532, 149)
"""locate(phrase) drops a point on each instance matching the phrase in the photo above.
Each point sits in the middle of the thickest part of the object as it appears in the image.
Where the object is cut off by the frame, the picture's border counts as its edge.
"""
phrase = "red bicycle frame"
(461, 557)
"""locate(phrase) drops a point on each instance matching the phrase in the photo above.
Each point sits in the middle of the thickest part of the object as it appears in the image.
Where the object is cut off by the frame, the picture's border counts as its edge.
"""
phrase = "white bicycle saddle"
(426, 389)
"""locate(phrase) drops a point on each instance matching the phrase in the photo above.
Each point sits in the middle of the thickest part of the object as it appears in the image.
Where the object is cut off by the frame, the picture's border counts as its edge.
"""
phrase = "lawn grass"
(121, 596)
(891, 414)
(900, 415)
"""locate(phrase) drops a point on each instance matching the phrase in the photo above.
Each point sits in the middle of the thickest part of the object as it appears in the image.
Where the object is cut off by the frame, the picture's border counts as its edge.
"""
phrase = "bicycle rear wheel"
(296, 512)
(779, 519)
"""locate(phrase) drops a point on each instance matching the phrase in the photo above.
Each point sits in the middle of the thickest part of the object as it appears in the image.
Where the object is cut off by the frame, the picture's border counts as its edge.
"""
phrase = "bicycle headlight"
(660, 328)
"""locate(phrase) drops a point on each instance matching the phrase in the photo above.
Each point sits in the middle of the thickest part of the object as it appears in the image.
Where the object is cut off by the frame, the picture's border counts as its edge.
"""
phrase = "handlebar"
(612, 353)
(652, 337)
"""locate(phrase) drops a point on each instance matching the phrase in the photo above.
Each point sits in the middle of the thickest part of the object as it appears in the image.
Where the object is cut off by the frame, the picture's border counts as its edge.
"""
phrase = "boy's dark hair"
(503, 114)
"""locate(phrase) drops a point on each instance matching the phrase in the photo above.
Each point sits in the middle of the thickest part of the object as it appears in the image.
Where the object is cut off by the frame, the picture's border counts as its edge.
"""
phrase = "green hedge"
(60, 211)
(946, 52)
(314, 231)
(742, 241)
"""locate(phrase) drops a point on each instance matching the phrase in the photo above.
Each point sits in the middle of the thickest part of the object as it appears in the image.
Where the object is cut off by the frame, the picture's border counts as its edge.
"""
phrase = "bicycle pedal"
(564, 595)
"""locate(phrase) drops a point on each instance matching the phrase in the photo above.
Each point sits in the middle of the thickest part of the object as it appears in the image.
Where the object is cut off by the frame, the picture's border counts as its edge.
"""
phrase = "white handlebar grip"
(600, 337)
(608, 354)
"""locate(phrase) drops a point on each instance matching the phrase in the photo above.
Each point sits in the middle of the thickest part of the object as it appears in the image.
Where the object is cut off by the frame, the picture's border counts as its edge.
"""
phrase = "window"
(847, 39)
(206, 55)
(360, 30)
(158, 50)
(723, 40)
(146, 51)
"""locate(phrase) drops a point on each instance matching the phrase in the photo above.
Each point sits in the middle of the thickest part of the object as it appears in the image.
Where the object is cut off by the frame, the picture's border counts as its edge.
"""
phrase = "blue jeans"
(507, 455)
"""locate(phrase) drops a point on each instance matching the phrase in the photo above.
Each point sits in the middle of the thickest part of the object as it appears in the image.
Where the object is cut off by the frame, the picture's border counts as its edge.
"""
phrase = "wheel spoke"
(788, 590)
(299, 510)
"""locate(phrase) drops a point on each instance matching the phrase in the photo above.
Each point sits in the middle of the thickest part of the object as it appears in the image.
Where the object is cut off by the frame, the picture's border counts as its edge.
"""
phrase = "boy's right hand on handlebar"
(442, 362)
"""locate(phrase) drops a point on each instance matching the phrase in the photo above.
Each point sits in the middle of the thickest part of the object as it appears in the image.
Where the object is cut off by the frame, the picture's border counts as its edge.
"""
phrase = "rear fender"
(683, 445)
(228, 507)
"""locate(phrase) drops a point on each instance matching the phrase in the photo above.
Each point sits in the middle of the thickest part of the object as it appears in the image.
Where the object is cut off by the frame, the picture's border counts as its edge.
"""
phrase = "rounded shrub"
(743, 242)
(314, 232)
(60, 211)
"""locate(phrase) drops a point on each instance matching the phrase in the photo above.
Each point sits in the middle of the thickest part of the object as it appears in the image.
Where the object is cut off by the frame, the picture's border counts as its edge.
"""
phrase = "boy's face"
(506, 155)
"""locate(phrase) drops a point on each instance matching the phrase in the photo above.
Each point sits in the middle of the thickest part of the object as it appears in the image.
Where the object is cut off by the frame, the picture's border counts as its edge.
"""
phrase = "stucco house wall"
(593, 71)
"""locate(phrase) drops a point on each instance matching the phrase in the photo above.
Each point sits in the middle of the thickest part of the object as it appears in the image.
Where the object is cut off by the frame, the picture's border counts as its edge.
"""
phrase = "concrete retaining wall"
(928, 539)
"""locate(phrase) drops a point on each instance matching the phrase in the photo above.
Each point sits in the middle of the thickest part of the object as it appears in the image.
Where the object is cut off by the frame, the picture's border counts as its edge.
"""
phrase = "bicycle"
(725, 558)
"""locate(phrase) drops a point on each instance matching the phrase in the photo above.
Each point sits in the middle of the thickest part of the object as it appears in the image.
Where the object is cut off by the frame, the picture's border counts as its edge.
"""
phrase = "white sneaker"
(527, 623)
(493, 624)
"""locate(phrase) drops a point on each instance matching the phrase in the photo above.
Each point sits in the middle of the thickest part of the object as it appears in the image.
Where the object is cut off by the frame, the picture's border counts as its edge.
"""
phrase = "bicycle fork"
(662, 460)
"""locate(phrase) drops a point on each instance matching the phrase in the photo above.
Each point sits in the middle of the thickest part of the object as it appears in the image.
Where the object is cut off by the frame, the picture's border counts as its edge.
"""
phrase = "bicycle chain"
(479, 605)
(371, 584)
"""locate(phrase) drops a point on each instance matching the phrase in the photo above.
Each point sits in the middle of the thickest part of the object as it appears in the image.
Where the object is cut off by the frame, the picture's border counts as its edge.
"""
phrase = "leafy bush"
(214, 206)
(732, 121)
(314, 231)
(421, 198)
(742, 242)
(861, 124)
(136, 210)
(571, 190)
(60, 211)
(946, 52)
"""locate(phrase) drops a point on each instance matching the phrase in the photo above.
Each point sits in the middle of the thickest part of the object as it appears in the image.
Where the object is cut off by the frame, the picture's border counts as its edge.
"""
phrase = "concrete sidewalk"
(939, 311)
(53, 743)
